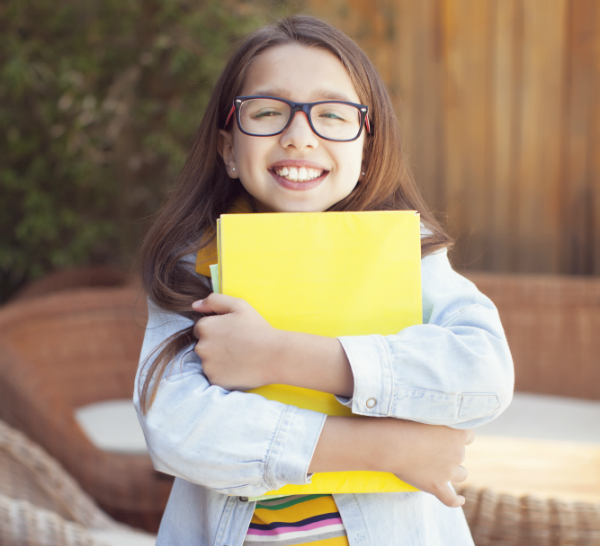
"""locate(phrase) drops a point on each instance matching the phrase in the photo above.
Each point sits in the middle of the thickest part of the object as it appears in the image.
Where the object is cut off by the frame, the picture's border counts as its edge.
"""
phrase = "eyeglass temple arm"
(230, 114)
(367, 123)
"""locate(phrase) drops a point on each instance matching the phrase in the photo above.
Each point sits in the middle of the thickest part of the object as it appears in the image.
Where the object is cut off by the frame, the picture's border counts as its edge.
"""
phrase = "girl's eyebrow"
(316, 95)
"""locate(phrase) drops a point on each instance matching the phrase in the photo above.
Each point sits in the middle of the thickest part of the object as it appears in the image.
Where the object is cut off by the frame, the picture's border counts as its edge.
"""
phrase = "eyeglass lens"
(332, 120)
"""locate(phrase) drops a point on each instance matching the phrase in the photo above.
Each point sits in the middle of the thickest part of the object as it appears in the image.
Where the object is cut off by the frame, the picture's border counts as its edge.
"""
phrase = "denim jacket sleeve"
(455, 369)
(232, 442)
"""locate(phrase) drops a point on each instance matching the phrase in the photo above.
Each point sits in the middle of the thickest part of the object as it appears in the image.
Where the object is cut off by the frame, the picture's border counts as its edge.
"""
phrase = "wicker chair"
(507, 520)
(66, 350)
(73, 278)
(552, 324)
(40, 504)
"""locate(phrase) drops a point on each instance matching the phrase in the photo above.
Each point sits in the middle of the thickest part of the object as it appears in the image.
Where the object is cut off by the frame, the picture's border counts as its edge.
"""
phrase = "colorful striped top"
(297, 519)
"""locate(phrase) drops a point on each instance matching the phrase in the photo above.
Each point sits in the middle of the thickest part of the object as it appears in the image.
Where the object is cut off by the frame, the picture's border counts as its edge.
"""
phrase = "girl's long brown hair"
(204, 190)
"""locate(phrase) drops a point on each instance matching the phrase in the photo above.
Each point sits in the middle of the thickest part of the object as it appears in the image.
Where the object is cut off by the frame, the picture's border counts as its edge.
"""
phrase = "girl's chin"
(290, 205)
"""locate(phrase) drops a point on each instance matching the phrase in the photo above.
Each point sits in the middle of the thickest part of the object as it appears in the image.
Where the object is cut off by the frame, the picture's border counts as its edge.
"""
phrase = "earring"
(233, 168)
(363, 173)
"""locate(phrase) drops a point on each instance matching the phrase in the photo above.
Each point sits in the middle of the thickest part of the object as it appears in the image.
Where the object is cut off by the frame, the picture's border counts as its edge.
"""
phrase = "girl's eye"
(332, 115)
(266, 114)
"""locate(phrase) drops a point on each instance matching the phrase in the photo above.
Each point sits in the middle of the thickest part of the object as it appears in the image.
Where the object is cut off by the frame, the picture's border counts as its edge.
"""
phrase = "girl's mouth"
(299, 174)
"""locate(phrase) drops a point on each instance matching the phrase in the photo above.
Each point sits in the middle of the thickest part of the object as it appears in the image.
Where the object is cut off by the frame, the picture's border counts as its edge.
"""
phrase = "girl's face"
(299, 74)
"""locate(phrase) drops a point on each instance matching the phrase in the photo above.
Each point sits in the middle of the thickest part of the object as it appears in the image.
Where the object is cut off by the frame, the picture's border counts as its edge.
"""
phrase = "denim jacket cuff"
(293, 447)
(373, 375)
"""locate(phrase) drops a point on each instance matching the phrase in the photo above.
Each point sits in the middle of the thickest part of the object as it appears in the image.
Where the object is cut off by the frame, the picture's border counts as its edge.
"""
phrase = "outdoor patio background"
(497, 100)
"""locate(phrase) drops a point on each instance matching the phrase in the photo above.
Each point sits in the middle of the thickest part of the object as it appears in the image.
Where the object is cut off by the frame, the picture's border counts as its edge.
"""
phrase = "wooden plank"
(594, 145)
(404, 70)
(479, 34)
(505, 113)
(467, 111)
(576, 189)
(539, 163)
(419, 75)
(453, 149)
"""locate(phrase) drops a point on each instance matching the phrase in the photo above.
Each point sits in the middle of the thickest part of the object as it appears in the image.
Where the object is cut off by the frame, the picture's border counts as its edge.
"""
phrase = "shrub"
(98, 103)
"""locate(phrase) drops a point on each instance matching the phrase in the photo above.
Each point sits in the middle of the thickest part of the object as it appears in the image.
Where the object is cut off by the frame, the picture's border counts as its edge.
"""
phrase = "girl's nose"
(299, 134)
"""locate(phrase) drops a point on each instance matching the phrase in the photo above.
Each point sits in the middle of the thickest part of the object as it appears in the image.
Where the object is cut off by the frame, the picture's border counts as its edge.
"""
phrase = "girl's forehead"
(299, 73)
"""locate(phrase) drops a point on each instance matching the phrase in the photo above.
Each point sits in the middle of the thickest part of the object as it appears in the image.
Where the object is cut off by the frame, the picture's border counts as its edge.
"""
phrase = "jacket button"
(371, 403)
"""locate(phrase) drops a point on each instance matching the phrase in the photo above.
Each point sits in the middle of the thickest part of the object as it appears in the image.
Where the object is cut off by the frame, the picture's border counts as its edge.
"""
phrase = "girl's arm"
(425, 456)
(232, 442)
(242, 444)
(453, 370)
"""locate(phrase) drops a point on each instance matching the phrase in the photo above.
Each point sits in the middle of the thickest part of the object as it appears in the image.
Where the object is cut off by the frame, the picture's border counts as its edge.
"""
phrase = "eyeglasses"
(329, 119)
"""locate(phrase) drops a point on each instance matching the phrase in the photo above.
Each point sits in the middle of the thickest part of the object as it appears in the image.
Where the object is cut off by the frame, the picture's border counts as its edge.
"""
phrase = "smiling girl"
(301, 121)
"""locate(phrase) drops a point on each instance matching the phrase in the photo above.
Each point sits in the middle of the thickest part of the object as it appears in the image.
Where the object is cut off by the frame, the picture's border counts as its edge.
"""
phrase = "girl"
(269, 142)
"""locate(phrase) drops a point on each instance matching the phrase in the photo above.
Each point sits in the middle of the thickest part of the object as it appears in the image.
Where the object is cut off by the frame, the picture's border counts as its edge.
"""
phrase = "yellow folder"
(332, 274)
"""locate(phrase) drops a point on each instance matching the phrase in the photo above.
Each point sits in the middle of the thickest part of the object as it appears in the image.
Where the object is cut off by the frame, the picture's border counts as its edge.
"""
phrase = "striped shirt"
(297, 519)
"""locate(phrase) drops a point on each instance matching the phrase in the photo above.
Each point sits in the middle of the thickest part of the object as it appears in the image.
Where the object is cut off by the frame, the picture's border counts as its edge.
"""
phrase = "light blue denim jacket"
(223, 447)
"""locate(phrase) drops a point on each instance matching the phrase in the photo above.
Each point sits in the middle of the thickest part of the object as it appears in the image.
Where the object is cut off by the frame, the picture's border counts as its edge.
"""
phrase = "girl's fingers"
(448, 496)
(219, 304)
(460, 474)
(470, 437)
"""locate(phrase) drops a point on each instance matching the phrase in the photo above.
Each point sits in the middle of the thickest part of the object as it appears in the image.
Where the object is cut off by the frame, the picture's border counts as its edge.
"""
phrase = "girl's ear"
(227, 152)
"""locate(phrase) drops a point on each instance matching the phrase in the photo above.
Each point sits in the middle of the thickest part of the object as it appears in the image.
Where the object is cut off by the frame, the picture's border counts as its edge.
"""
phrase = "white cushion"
(543, 417)
(123, 538)
(112, 425)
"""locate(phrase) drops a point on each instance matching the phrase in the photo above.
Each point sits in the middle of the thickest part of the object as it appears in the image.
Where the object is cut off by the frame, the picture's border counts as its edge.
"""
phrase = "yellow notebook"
(332, 274)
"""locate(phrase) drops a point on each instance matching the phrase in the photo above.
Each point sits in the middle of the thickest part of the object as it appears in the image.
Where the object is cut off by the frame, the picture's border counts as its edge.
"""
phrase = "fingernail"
(197, 303)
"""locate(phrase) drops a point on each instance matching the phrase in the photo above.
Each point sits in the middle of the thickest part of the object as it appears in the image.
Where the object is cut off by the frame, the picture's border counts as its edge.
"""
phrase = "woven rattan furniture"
(24, 524)
(507, 520)
(65, 350)
(40, 504)
(553, 327)
(74, 278)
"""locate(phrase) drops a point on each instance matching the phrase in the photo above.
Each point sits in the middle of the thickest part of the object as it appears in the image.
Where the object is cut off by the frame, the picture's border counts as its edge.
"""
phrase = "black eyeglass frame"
(295, 107)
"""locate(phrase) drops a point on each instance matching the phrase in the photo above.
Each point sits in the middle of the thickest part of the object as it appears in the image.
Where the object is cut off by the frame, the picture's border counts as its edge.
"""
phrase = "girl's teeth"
(299, 175)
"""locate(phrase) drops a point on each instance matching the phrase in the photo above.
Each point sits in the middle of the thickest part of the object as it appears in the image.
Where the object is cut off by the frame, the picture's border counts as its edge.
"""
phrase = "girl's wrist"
(353, 443)
(310, 361)
(276, 369)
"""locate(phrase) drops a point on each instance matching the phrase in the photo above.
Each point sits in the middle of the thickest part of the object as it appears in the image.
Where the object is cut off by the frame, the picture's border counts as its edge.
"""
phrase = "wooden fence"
(499, 102)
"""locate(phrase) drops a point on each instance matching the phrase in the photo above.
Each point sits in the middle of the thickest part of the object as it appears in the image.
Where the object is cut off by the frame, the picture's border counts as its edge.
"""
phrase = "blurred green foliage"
(99, 101)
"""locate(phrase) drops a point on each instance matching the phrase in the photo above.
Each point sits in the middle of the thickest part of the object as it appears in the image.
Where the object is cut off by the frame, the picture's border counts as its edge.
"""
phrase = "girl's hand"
(426, 456)
(237, 345)
(429, 457)
(240, 350)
